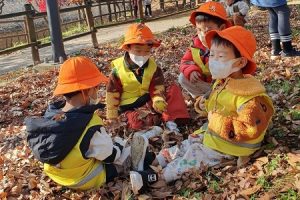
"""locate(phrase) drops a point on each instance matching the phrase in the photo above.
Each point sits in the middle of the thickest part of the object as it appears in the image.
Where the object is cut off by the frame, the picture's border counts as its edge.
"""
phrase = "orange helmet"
(211, 8)
(78, 73)
(139, 33)
(242, 39)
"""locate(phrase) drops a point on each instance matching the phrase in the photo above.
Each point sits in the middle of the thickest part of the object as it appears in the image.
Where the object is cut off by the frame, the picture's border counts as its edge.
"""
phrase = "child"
(279, 27)
(238, 106)
(237, 11)
(136, 85)
(70, 138)
(195, 76)
(148, 11)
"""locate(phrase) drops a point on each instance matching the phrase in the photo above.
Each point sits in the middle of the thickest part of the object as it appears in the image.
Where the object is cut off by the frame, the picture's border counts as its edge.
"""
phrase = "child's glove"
(200, 107)
(159, 104)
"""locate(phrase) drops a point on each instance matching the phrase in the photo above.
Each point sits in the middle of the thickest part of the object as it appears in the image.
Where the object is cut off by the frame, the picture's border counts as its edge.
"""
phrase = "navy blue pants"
(279, 23)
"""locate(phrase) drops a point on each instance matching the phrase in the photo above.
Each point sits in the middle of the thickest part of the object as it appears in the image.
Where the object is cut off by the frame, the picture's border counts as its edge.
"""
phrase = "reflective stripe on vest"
(132, 88)
(89, 177)
(197, 59)
(240, 144)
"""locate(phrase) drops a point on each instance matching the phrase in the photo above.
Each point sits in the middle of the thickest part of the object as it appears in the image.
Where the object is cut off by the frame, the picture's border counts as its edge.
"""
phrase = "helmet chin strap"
(84, 99)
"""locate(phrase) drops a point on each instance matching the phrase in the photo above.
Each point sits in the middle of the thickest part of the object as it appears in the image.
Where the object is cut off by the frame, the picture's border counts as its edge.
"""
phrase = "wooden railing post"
(100, 12)
(115, 10)
(109, 11)
(90, 22)
(162, 5)
(124, 7)
(140, 9)
(32, 34)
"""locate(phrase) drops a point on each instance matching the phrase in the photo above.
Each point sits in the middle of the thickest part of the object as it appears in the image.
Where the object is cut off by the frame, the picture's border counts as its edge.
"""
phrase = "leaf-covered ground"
(272, 173)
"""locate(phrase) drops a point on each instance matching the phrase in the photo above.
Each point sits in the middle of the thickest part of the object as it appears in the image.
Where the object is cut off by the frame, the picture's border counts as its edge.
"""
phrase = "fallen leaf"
(16, 190)
(297, 182)
(266, 196)
(160, 194)
(3, 194)
(144, 197)
(251, 190)
(32, 183)
(159, 184)
(294, 160)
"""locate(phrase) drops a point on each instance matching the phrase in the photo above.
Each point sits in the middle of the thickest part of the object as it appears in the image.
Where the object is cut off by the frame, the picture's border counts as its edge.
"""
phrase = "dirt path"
(22, 58)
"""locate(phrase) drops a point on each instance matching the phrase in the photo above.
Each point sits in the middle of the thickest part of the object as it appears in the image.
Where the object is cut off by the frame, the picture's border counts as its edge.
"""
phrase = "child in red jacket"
(195, 76)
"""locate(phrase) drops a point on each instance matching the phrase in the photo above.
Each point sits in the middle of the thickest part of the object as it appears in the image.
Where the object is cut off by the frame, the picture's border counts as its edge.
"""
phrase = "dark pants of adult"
(148, 10)
(279, 28)
(135, 10)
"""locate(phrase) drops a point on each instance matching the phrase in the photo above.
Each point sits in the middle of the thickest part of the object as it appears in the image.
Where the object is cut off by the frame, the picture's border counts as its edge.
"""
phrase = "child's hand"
(159, 105)
(195, 77)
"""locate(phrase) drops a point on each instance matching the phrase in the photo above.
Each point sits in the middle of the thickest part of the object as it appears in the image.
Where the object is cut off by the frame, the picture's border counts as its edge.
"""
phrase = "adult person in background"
(279, 27)
(135, 7)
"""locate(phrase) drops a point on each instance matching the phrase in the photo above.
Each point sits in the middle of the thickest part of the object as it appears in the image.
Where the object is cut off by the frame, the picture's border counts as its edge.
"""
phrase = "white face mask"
(220, 69)
(139, 60)
(201, 37)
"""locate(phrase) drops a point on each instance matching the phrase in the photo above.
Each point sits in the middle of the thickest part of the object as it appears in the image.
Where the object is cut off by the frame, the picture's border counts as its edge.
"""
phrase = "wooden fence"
(119, 12)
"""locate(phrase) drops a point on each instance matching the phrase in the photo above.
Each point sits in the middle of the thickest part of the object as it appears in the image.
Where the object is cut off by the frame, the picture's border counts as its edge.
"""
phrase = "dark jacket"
(52, 139)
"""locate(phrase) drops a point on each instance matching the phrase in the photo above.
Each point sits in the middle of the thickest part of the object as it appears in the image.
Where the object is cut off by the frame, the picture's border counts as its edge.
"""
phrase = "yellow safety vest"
(197, 59)
(75, 171)
(132, 88)
(227, 103)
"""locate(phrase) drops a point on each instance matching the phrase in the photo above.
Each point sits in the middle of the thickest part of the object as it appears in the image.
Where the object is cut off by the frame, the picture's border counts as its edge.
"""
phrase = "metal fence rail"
(119, 12)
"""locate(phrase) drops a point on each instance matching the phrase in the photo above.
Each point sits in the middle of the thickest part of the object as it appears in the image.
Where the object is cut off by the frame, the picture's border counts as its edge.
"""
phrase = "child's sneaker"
(141, 179)
(138, 151)
(139, 146)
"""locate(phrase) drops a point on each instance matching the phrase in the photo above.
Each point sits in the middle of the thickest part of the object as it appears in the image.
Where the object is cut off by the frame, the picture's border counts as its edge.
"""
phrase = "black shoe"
(275, 54)
(290, 53)
(276, 48)
(140, 180)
